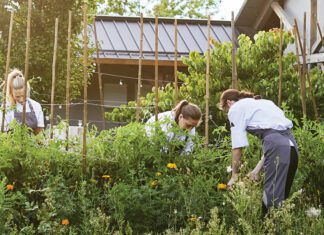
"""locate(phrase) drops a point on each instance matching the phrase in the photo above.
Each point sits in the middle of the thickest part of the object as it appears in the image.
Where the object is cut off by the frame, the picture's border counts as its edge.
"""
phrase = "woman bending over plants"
(251, 114)
(34, 118)
(186, 116)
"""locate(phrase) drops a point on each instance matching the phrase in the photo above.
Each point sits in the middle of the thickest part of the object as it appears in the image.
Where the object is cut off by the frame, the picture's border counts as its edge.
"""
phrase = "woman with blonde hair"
(34, 118)
(185, 115)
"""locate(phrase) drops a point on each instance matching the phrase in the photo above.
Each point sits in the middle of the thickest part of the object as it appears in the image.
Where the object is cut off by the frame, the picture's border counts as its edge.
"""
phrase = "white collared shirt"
(254, 114)
(10, 116)
(167, 125)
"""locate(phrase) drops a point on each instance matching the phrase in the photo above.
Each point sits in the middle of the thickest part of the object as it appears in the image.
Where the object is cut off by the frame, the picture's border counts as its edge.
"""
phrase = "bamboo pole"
(298, 55)
(306, 75)
(99, 78)
(302, 77)
(234, 69)
(280, 63)
(85, 85)
(156, 67)
(27, 58)
(176, 98)
(54, 76)
(139, 81)
(207, 84)
(68, 78)
(6, 72)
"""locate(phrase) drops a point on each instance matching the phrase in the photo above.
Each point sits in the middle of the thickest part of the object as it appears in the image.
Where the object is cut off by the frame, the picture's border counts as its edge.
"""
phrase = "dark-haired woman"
(186, 115)
(251, 114)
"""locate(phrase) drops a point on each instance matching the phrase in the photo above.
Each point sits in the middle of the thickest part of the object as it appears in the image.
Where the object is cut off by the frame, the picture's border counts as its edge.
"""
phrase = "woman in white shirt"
(186, 115)
(34, 118)
(251, 114)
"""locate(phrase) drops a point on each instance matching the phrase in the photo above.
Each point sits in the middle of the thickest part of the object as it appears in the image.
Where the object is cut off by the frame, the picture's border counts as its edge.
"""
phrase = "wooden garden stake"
(6, 72)
(68, 78)
(176, 61)
(302, 77)
(99, 78)
(53, 76)
(207, 83)
(234, 69)
(280, 63)
(156, 68)
(139, 81)
(27, 58)
(85, 85)
(320, 32)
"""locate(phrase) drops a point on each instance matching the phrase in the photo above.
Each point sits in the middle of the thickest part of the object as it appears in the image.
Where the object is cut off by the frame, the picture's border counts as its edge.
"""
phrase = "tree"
(43, 17)
(188, 9)
(163, 8)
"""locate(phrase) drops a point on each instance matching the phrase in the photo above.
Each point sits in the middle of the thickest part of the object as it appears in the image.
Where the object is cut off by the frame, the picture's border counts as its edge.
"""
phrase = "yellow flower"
(65, 222)
(154, 183)
(171, 166)
(106, 176)
(158, 174)
(221, 186)
(193, 218)
(10, 187)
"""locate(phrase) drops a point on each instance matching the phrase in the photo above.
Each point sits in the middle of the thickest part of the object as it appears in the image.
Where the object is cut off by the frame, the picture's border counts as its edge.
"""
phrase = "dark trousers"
(280, 176)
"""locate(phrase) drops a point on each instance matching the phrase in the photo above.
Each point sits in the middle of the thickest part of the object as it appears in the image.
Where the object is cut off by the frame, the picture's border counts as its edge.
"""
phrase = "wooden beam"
(263, 15)
(313, 30)
(317, 45)
(169, 63)
(281, 14)
(314, 58)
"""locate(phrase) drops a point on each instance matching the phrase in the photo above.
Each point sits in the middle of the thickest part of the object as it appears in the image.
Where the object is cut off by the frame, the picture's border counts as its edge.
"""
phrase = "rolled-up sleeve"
(238, 128)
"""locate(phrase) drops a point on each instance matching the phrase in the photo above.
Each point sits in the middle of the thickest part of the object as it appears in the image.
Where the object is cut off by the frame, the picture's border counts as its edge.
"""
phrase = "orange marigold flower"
(10, 187)
(171, 166)
(65, 222)
(221, 186)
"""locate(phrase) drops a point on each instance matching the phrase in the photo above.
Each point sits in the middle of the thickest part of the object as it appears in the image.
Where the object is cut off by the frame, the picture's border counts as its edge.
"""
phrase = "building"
(119, 39)
(256, 15)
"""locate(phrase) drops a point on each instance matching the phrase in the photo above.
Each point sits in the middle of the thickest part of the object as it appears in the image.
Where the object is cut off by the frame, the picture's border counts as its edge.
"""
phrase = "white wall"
(296, 9)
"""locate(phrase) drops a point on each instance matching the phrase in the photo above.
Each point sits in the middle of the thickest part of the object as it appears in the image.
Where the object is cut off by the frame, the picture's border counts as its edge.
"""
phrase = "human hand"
(254, 176)
(232, 181)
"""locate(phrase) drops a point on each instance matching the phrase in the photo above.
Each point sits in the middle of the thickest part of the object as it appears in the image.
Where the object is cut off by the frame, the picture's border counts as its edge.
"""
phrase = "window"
(115, 94)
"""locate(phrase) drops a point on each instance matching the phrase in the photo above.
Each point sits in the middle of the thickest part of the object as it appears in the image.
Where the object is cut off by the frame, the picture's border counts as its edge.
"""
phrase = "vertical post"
(207, 83)
(304, 69)
(27, 58)
(85, 85)
(68, 78)
(139, 81)
(176, 98)
(99, 77)
(313, 31)
(53, 76)
(6, 72)
(280, 63)
(156, 68)
(298, 57)
(302, 85)
(234, 69)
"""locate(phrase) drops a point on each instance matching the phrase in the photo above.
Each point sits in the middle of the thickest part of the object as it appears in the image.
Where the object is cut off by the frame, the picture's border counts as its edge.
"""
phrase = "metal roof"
(119, 37)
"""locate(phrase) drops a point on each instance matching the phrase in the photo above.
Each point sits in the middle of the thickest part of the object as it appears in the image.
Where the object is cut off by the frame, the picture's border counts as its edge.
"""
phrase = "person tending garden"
(185, 115)
(34, 118)
(251, 114)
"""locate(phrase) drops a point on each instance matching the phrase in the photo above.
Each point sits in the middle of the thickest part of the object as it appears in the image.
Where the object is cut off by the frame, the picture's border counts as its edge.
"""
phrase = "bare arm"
(236, 163)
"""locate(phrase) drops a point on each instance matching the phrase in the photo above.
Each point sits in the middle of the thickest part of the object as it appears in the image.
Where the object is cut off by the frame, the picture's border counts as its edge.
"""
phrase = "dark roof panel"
(119, 37)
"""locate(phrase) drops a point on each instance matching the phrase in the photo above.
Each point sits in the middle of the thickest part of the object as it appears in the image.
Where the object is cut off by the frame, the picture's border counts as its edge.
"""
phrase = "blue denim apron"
(277, 164)
(30, 118)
